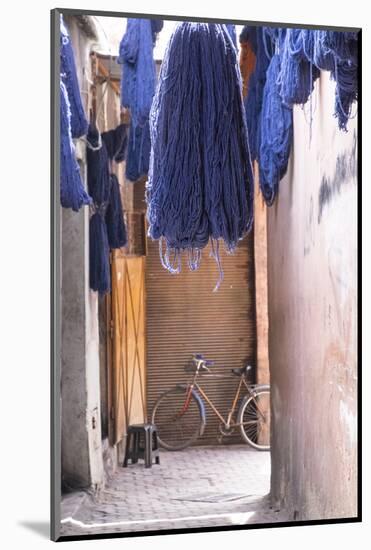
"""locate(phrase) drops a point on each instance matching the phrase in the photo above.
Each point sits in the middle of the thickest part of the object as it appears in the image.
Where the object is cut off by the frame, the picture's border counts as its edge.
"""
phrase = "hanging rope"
(276, 135)
(200, 184)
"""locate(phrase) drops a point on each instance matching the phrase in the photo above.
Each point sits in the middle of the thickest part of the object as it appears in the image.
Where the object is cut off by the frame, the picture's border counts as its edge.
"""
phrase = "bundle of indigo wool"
(73, 123)
(115, 142)
(254, 98)
(99, 265)
(337, 52)
(316, 50)
(139, 71)
(137, 89)
(232, 33)
(200, 184)
(99, 186)
(139, 147)
(79, 123)
(298, 74)
(72, 192)
(346, 92)
(276, 135)
(116, 230)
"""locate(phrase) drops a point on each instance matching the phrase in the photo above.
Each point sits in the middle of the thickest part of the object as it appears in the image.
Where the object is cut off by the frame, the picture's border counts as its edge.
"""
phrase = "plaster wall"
(312, 292)
(82, 463)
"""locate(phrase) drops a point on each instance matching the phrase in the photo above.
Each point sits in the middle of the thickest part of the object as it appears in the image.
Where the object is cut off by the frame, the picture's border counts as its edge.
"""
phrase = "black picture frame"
(55, 282)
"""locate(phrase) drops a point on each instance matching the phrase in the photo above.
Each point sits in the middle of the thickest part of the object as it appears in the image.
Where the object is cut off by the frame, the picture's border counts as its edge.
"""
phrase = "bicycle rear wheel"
(254, 419)
(178, 424)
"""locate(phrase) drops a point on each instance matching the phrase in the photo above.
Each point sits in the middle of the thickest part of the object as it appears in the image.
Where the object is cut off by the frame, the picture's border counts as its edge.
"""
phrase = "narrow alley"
(198, 487)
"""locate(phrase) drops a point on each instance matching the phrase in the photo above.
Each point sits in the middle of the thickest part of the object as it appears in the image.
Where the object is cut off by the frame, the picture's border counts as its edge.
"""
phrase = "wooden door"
(128, 334)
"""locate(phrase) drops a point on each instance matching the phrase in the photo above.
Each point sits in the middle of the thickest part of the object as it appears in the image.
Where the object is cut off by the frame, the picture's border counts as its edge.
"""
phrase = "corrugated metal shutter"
(184, 315)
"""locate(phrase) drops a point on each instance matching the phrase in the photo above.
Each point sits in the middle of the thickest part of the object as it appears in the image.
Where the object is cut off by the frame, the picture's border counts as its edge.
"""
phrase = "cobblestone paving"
(140, 499)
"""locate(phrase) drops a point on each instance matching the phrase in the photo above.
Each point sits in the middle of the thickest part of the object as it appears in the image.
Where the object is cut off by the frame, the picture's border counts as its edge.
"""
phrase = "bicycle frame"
(228, 422)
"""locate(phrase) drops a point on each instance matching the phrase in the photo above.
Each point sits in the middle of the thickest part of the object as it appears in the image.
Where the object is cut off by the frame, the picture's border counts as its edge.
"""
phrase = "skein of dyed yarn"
(99, 186)
(72, 124)
(139, 147)
(116, 230)
(138, 72)
(337, 52)
(276, 135)
(72, 192)
(137, 89)
(298, 74)
(79, 123)
(200, 183)
(115, 142)
(232, 33)
(254, 98)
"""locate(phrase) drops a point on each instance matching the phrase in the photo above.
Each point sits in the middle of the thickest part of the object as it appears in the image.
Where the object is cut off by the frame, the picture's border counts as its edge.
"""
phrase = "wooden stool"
(142, 442)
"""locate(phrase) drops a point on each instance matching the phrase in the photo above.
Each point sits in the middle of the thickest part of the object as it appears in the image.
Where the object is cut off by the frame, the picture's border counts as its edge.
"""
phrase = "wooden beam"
(102, 71)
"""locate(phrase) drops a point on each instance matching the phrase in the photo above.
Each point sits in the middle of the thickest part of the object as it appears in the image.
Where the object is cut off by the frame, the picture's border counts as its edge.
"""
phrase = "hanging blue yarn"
(137, 90)
(344, 45)
(138, 151)
(98, 170)
(79, 123)
(138, 72)
(72, 192)
(346, 76)
(72, 124)
(316, 50)
(276, 135)
(99, 186)
(115, 142)
(337, 52)
(232, 33)
(297, 75)
(99, 265)
(254, 98)
(344, 49)
(116, 230)
(200, 183)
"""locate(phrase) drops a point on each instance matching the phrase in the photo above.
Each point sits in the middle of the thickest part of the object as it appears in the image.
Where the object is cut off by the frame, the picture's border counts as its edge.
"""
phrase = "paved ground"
(139, 499)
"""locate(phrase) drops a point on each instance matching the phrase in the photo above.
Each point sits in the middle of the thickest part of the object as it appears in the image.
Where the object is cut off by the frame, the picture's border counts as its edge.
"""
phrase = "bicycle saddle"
(200, 357)
(243, 370)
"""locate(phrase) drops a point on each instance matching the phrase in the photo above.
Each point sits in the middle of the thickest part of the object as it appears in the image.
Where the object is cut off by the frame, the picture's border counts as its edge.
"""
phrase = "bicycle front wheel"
(254, 419)
(178, 419)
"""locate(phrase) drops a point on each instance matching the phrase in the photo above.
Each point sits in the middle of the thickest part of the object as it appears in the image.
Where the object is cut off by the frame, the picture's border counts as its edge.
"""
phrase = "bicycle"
(180, 416)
